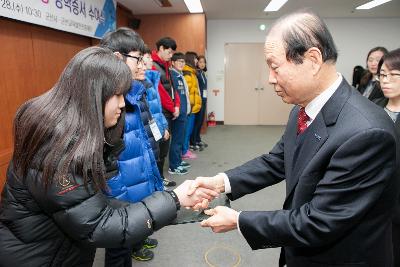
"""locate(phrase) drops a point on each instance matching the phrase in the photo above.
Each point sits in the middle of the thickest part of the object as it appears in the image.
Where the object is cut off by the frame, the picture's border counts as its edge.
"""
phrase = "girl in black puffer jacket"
(52, 210)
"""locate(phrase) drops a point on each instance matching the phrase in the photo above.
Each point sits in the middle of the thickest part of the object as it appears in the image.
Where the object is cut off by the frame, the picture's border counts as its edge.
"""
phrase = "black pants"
(120, 257)
(164, 148)
(396, 244)
(198, 122)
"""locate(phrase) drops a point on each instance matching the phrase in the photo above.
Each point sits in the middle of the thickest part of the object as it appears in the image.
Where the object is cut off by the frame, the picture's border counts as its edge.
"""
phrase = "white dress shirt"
(312, 110)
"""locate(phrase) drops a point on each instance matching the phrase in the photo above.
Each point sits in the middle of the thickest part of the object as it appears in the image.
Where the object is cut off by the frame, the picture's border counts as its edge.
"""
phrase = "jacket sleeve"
(166, 101)
(90, 217)
(356, 178)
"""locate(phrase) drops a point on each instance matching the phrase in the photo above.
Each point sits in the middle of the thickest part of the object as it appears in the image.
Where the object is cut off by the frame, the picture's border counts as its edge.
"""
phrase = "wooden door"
(249, 99)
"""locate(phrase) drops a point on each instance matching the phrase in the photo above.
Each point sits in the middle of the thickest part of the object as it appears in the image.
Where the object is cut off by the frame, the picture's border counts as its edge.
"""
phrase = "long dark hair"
(205, 61)
(367, 76)
(190, 57)
(391, 60)
(62, 131)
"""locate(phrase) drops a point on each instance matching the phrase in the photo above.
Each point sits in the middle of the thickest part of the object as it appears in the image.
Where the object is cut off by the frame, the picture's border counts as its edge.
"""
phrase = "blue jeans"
(188, 132)
(177, 139)
(198, 122)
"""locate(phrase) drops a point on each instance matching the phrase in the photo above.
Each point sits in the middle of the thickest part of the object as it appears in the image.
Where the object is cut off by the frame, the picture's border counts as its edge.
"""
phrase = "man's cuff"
(237, 224)
(227, 184)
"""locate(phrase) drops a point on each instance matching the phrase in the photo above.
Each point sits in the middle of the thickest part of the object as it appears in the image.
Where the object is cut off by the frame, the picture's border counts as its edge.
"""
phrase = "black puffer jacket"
(63, 226)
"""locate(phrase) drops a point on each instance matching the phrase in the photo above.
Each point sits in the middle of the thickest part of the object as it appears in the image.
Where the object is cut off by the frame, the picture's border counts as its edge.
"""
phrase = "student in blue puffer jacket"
(138, 174)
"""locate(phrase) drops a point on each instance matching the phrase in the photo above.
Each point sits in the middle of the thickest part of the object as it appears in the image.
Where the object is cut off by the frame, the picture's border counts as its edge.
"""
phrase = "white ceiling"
(253, 9)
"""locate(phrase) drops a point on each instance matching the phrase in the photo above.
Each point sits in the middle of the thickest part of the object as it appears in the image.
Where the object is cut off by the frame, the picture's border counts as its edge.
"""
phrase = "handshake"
(197, 194)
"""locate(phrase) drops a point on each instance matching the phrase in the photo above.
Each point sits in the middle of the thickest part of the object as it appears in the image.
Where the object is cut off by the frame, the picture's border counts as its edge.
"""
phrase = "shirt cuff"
(227, 184)
(237, 223)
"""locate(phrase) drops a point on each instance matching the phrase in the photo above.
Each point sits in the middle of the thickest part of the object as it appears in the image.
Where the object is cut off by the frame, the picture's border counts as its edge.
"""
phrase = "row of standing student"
(380, 83)
(156, 105)
(69, 143)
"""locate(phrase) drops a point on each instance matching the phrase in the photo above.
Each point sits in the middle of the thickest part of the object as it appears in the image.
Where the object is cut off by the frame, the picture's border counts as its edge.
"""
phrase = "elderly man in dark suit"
(337, 156)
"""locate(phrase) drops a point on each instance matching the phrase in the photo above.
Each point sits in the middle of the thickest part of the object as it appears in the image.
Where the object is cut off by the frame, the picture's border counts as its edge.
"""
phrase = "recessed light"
(275, 5)
(194, 6)
(373, 4)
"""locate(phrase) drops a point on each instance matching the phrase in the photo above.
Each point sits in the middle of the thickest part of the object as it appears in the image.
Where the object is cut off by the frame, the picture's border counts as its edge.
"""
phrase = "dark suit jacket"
(382, 102)
(340, 192)
(375, 93)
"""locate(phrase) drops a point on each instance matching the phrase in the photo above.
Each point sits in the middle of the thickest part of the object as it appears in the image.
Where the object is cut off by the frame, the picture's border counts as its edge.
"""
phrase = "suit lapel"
(315, 135)
(290, 142)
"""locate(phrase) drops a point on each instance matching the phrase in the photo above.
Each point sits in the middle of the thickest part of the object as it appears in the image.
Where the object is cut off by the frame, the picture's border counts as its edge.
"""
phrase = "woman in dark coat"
(53, 211)
(389, 77)
(369, 86)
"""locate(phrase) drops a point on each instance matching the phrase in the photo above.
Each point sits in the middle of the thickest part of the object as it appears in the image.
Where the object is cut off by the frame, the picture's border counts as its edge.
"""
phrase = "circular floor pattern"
(222, 257)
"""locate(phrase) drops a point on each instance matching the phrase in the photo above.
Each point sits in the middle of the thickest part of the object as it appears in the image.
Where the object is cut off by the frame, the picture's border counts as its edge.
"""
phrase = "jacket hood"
(153, 76)
(157, 59)
(177, 72)
(133, 95)
(189, 68)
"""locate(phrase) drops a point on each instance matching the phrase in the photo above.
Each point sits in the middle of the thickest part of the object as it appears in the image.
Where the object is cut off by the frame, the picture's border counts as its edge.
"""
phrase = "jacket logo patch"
(66, 186)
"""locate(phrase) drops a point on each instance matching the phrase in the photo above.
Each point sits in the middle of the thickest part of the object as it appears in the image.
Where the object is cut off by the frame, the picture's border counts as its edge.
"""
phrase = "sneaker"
(179, 171)
(185, 165)
(167, 182)
(202, 144)
(143, 254)
(150, 243)
(193, 148)
(189, 155)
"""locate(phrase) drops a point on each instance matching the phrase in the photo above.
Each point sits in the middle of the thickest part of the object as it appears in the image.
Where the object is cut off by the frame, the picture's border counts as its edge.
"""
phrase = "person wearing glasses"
(389, 78)
(170, 100)
(178, 126)
(369, 86)
(53, 211)
(139, 175)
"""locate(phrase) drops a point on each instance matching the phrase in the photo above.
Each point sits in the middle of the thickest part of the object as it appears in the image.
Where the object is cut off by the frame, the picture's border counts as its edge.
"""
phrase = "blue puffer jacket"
(138, 175)
(153, 98)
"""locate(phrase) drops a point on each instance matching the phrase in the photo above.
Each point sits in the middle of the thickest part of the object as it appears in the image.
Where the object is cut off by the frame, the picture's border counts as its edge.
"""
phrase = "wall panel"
(189, 30)
(31, 61)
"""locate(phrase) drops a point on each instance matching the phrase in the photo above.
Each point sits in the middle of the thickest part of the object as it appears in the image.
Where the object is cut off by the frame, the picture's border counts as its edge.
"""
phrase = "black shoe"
(202, 144)
(143, 254)
(150, 243)
(194, 148)
(167, 182)
(179, 171)
(185, 165)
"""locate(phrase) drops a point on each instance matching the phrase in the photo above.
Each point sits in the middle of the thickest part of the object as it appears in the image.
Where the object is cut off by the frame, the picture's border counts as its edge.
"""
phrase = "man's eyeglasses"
(138, 59)
(389, 76)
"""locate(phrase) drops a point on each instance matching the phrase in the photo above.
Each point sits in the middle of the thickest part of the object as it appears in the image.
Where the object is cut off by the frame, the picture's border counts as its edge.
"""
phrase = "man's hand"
(223, 219)
(166, 135)
(215, 183)
(199, 198)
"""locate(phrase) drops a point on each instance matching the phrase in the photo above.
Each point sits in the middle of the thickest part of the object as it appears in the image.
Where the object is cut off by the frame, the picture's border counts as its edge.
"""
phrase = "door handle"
(256, 89)
(261, 88)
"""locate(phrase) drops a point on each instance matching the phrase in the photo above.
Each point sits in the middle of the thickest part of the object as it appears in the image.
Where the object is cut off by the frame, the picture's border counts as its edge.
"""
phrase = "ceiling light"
(262, 27)
(194, 6)
(275, 5)
(372, 4)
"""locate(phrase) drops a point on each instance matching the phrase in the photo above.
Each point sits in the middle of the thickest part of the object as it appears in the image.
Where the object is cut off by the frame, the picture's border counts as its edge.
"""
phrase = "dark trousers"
(396, 244)
(198, 122)
(118, 257)
(178, 137)
(164, 147)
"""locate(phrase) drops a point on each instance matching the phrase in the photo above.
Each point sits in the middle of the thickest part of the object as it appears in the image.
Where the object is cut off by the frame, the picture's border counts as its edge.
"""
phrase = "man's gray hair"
(302, 30)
